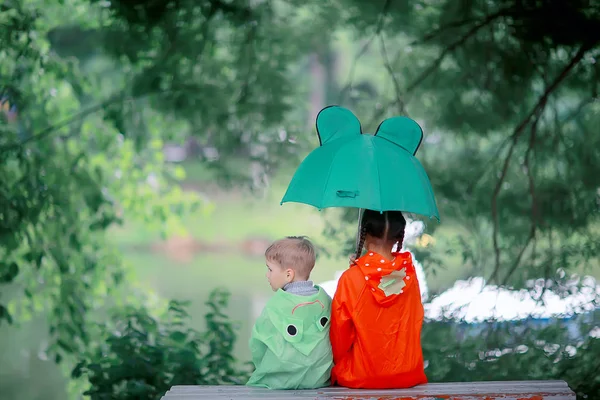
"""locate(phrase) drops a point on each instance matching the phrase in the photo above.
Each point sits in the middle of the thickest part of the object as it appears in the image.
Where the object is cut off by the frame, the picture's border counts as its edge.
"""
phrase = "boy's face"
(277, 276)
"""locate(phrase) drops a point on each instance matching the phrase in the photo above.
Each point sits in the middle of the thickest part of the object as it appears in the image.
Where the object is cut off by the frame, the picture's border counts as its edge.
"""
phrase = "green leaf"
(78, 370)
(4, 314)
(8, 272)
(178, 336)
(65, 346)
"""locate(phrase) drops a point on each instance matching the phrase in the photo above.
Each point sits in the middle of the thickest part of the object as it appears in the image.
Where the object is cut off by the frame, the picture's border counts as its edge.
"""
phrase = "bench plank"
(509, 390)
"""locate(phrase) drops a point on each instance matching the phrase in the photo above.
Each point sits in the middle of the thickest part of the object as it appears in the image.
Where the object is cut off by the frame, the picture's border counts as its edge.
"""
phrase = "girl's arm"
(342, 333)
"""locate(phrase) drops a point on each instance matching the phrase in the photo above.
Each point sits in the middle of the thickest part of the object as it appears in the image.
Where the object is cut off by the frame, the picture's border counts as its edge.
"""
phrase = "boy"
(290, 340)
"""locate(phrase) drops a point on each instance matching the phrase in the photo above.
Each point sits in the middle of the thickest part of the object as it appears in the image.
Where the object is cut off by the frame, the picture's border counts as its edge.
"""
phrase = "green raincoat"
(290, 342)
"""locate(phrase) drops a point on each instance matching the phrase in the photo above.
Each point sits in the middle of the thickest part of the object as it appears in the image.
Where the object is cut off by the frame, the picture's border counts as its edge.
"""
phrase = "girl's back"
(376, 321)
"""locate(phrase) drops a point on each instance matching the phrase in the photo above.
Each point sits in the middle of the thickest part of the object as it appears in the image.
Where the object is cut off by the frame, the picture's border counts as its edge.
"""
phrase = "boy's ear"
(334, 122)
(402, 131)
(290, 274)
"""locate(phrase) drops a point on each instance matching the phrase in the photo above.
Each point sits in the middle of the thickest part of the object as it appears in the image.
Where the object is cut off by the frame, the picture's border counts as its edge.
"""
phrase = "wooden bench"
(510, 390)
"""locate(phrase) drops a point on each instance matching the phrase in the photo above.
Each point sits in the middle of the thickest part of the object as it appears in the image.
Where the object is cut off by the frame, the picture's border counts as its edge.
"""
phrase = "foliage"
(63, 184)
(506, 91)
(83, 127)
(226, 69)
(82, 130)
(509, 107)
(142, 356)
(518, 351)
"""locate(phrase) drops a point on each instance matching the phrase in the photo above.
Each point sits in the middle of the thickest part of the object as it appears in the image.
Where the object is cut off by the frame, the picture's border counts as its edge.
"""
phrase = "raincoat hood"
(302, 321)
(386, 279)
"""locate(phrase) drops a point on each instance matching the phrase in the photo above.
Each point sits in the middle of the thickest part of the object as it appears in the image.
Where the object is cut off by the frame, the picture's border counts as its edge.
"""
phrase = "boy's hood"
(302, 321)
(386, 279)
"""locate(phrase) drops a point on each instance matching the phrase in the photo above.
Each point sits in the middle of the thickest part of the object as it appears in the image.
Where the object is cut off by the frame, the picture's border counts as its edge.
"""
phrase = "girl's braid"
(401, 241)
(361, 241)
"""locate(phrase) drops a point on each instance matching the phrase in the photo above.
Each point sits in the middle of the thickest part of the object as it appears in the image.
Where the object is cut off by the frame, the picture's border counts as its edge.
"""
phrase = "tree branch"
(363, 50)
(457, 24)
(388, 67)
(536, 111)
(438, 61)
(121, 96)
(534, 206)
(66, 122)
(250, 56)
(575, 112)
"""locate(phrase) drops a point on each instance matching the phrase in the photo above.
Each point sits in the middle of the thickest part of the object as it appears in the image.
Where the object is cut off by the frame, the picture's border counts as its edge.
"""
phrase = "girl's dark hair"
(389, 226)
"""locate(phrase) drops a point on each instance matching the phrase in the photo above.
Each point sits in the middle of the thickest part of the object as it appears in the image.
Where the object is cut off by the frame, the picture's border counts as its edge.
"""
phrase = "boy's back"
(290, 342)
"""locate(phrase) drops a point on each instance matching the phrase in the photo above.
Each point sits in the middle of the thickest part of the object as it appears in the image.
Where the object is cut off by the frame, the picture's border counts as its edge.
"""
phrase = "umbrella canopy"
(351, 169)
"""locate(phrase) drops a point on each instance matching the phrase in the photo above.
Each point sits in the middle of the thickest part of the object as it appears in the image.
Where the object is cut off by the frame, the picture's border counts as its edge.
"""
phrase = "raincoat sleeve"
(342, 333)
(258, 347)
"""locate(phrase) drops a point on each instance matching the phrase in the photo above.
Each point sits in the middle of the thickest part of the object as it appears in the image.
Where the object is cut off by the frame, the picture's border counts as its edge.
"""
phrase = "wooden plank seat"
(509, 390)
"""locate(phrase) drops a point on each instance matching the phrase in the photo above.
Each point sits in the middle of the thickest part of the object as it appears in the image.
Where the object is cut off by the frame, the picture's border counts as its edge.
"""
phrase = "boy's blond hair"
(295, 252)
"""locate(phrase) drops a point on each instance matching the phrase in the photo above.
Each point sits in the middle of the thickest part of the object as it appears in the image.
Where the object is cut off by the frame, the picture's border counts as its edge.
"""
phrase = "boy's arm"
(341, 333)
(258, 347)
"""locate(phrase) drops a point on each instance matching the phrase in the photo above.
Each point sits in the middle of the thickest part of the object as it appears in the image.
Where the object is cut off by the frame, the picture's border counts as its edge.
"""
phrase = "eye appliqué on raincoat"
(322, 322)
(293, 330)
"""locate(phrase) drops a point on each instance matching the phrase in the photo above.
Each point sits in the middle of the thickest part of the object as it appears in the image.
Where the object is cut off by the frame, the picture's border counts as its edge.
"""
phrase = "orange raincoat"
(376, 320)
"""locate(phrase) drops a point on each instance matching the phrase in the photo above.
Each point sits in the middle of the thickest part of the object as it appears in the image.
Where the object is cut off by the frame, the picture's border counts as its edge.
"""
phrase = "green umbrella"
(351, 169)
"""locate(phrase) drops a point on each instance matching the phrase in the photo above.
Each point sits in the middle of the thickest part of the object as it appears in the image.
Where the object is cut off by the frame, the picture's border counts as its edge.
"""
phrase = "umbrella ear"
(402, 131)
(334, 122)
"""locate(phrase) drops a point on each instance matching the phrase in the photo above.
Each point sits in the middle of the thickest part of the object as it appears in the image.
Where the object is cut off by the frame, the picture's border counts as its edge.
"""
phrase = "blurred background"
(145, 147)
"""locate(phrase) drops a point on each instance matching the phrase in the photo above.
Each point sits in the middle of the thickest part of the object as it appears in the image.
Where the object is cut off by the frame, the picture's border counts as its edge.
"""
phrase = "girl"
(377, 313)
